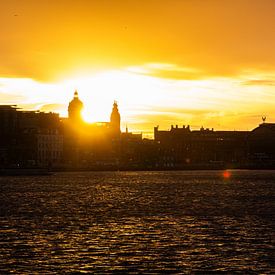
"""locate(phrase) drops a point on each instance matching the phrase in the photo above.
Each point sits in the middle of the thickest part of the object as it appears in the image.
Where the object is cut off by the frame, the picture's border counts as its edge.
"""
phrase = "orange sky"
(192, 54)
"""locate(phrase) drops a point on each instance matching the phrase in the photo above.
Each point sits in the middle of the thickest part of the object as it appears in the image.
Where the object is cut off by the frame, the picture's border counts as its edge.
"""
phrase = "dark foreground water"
(138, 222)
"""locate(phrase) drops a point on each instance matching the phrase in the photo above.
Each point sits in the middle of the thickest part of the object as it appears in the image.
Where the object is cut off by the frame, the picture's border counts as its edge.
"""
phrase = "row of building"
(206, 148)
(38, 139)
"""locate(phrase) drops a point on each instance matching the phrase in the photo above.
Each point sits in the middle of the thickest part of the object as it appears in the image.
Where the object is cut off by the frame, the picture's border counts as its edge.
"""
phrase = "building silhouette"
(261, 145)
(90, 145)
(75, 108)
(115, 120)
(181, 147)
(29, 138)
(37, 139)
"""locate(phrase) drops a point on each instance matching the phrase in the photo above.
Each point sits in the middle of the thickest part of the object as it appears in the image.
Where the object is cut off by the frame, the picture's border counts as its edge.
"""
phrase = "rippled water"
(138, 222)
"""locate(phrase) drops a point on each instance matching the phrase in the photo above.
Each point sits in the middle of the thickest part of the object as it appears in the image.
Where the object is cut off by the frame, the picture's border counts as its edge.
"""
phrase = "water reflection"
(137, 222)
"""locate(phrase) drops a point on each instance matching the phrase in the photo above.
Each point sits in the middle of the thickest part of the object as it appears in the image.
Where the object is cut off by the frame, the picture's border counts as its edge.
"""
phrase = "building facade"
(30, 138)
(182, 148)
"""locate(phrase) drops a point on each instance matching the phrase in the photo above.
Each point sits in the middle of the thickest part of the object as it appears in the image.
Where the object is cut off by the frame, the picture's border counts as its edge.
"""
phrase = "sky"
(204, 63)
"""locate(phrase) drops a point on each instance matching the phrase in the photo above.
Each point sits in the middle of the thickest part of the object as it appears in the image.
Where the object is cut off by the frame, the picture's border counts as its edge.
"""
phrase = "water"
(138, 222)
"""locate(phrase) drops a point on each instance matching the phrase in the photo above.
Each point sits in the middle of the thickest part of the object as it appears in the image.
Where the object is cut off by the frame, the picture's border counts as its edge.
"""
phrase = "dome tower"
(75, 108)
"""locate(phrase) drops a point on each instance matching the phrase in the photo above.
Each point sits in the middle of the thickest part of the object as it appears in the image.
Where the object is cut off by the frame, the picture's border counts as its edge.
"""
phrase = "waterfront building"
(261, 144)
(181, 147)
(29, 138)
(8, 130)
(88, 145)
(49, 148)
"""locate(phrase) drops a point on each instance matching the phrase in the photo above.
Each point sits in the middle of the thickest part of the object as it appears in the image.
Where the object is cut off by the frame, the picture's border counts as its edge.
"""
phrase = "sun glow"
(146, 100)
(99, 91)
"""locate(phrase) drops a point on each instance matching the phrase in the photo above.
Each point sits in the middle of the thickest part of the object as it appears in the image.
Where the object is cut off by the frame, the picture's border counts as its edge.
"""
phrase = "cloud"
(10, 98)
(52, 107)
(259, 82)
(167, 71)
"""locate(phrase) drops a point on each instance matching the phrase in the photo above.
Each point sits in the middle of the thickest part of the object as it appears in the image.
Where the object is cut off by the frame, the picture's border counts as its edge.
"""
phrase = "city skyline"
(203, 63)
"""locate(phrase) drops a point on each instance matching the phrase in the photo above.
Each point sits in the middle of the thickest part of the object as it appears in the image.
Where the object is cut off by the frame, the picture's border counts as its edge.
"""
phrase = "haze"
(209, 63)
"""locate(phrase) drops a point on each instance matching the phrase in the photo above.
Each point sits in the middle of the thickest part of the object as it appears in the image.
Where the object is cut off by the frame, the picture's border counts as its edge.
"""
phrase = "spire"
(115, 105)
(75, 93)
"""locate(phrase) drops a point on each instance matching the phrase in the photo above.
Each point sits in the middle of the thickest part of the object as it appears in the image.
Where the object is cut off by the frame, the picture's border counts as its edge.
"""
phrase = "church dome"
(75, 107)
